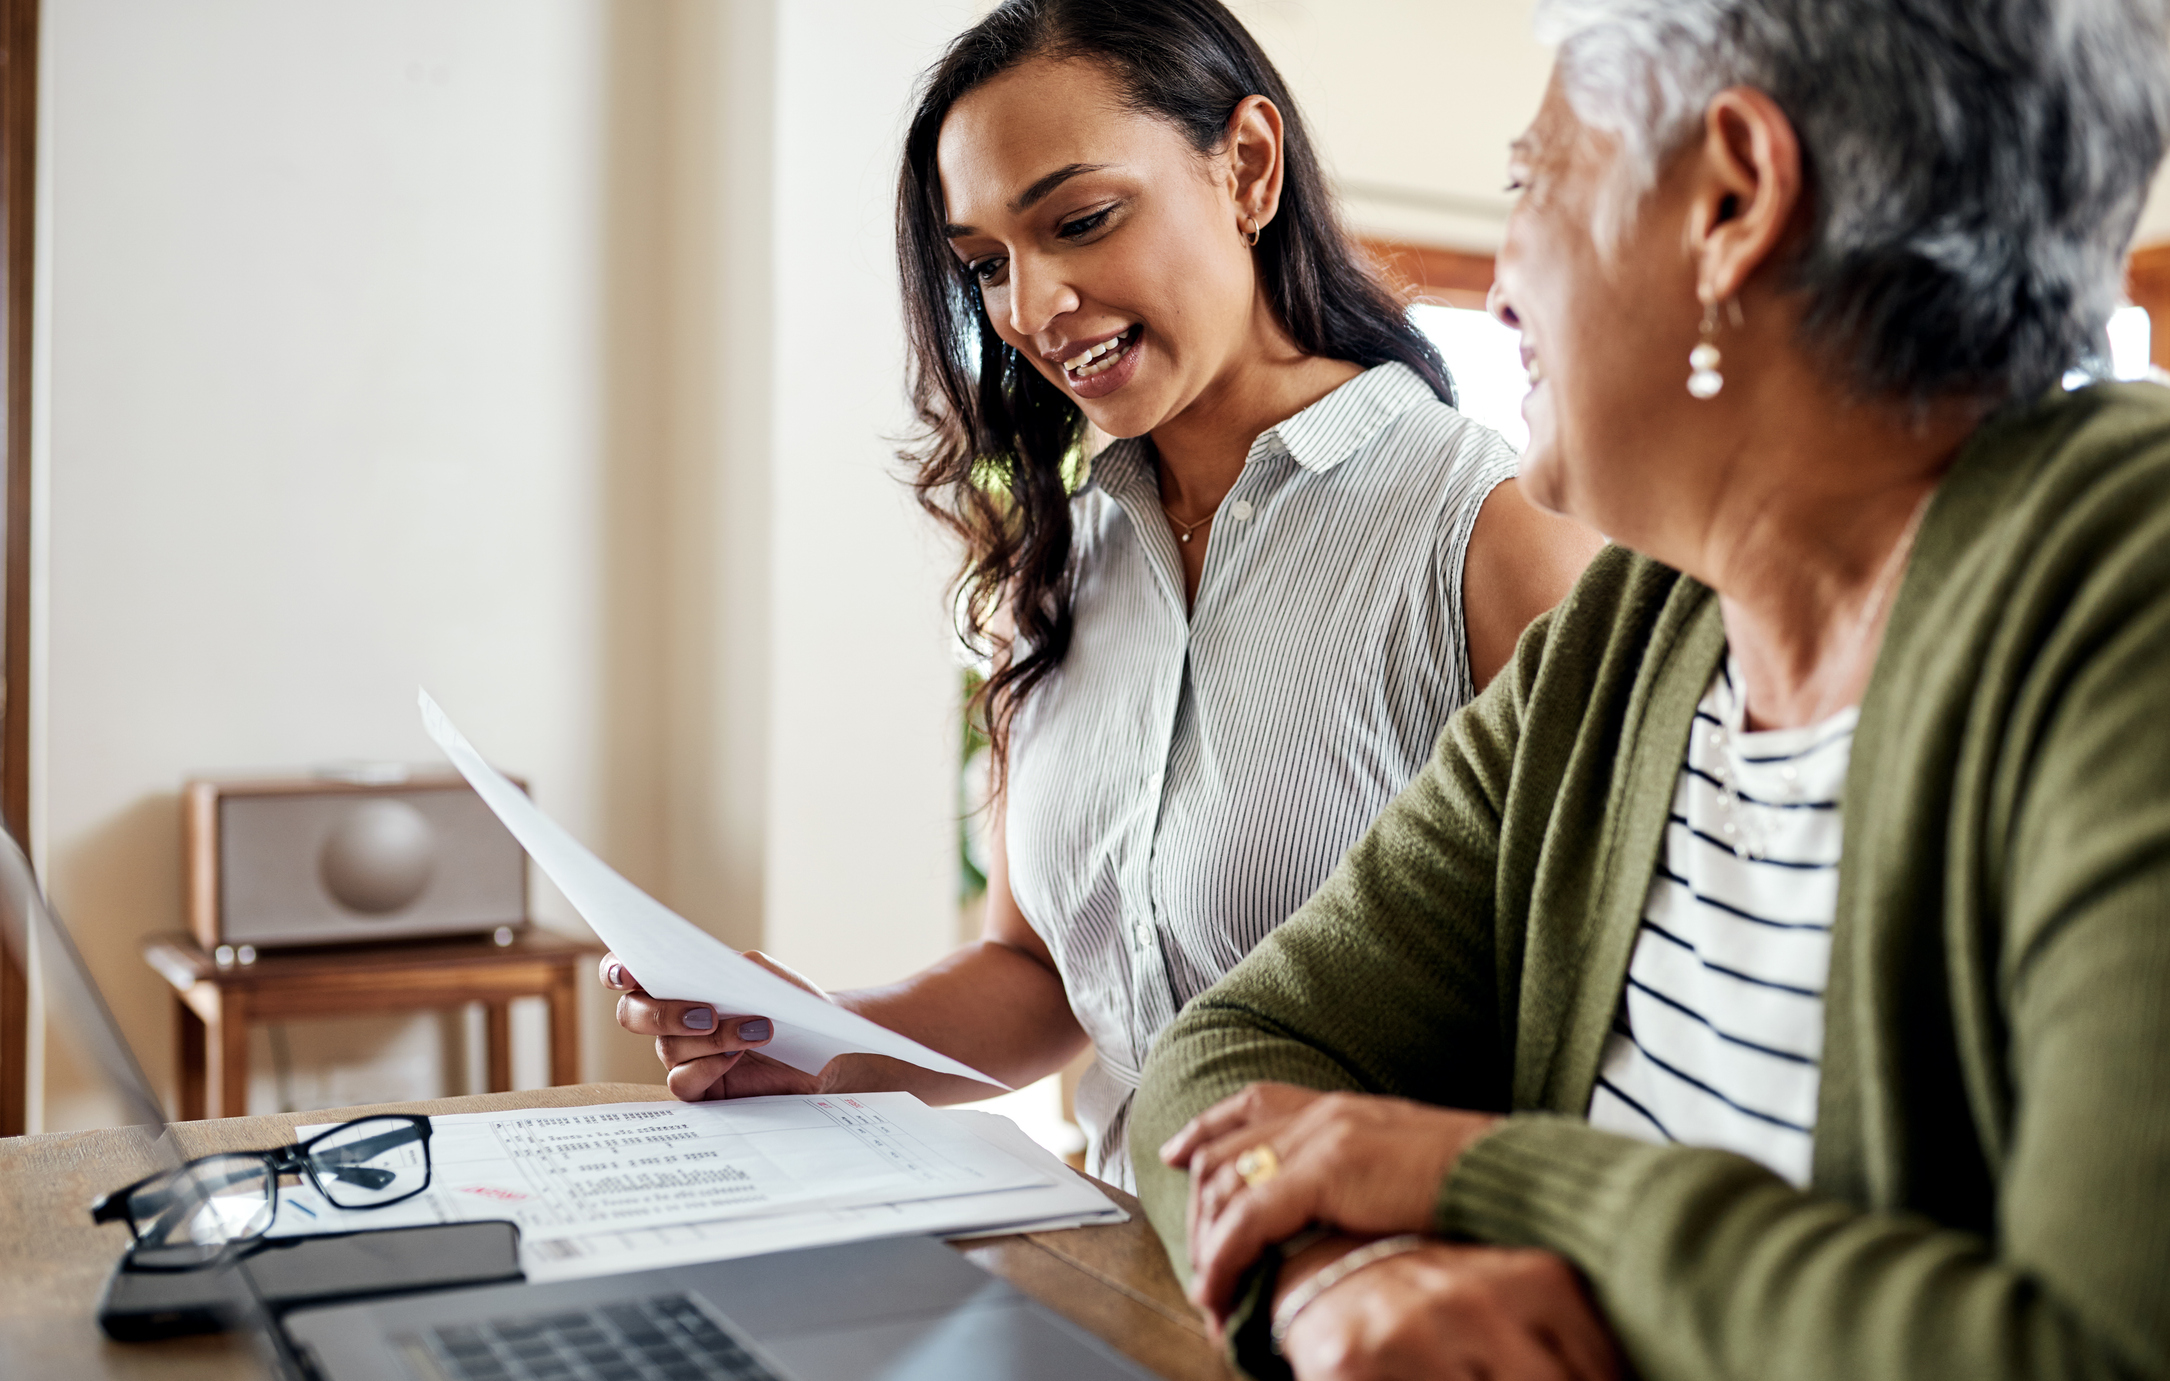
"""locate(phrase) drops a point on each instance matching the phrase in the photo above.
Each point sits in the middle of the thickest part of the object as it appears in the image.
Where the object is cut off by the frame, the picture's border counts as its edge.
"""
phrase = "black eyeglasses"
(187, 1217)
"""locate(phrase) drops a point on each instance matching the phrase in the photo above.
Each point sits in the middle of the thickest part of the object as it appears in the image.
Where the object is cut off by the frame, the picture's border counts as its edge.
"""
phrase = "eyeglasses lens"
(370, 1162)
(204, 1204)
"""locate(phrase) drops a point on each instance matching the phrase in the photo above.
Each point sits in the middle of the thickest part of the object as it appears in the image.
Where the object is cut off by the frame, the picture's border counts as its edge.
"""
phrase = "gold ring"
(1258, 1165)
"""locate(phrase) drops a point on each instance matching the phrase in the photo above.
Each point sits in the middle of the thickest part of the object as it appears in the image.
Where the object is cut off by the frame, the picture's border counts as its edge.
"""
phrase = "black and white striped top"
(1184, 782)
(1719, 1038)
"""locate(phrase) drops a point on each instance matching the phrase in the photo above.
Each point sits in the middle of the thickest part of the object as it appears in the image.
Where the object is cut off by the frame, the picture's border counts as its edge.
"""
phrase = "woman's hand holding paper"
(679, 956)
(710, 1054)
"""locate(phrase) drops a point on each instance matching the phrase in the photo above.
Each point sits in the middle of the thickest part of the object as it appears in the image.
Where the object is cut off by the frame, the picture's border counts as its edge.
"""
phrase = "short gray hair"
(1976, 167)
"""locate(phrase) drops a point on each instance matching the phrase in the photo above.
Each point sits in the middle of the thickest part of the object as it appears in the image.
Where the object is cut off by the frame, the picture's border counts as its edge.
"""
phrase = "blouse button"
(1241, 510)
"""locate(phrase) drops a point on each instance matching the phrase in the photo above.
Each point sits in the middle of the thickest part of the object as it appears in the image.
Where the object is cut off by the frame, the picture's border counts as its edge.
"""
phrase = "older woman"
(1770, 974)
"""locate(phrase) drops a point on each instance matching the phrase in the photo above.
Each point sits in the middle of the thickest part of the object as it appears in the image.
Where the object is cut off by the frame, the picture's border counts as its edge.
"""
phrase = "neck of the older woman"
(1808, 541)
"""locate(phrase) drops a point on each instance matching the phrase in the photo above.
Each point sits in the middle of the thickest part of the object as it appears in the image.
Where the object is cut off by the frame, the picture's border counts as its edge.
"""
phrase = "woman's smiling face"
(1606, 331)
(1108, 252)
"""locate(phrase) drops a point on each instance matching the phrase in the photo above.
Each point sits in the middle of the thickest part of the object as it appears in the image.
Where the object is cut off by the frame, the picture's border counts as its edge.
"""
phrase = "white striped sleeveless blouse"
(1184, 782)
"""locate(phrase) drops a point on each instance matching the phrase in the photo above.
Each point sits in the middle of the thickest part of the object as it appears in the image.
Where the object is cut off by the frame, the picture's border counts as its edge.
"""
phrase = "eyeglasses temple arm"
(107, 1208)
(363, 1150)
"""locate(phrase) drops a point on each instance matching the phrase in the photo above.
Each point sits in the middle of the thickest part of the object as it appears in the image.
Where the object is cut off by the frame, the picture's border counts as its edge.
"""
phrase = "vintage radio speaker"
(315, 862)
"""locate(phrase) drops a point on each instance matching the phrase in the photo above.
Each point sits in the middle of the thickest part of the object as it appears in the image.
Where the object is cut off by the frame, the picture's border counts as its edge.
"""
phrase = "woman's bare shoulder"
(1521, 562)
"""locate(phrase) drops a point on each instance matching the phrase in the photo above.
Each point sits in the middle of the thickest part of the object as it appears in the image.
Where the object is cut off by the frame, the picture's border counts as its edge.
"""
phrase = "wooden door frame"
(18, 226)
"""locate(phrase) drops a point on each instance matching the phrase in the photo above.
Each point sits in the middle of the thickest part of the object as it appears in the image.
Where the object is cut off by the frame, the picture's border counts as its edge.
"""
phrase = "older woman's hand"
(1451, 1311)
(709, 1054)
(1364, 1164)
(1251, 1113)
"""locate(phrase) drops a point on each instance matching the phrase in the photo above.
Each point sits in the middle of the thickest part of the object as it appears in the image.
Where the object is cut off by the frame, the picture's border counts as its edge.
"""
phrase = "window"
(2132, 341)
(1486, 361)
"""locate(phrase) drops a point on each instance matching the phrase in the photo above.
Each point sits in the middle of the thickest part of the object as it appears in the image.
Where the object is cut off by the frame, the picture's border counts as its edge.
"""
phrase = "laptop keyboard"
(666, 1338)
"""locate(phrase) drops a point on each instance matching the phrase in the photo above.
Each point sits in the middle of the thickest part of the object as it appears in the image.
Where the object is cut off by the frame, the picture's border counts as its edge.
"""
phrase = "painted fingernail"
(701, 1018)
(617, 975)
(759, 1029)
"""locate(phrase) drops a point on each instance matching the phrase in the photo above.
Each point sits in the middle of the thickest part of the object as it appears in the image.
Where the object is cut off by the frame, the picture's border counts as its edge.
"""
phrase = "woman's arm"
(997, 1004)
(1521, 561)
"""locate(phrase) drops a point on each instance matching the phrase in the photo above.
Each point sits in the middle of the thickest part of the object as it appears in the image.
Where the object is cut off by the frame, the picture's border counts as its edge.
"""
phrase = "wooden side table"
(215, 1004)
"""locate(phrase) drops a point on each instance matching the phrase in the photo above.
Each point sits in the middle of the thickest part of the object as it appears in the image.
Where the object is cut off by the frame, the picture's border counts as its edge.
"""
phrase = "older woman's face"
(1107, 252)
(1606, 336)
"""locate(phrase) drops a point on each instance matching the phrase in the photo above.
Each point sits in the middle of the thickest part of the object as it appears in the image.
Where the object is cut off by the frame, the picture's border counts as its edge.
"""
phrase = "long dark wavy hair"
(1001, 444)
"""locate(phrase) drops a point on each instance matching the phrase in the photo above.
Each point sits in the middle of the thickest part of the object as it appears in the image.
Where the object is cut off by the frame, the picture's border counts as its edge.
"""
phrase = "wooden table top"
(1114, 1281)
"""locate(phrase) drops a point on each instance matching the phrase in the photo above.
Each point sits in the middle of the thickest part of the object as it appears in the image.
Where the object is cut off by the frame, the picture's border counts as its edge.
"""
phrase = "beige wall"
(540, 352)
(324, 419)
(805, 770)
(862, 883)
(1413, 103)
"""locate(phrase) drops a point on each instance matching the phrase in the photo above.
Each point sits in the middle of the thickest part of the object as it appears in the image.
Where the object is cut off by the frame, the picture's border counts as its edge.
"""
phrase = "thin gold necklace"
(1188, 528)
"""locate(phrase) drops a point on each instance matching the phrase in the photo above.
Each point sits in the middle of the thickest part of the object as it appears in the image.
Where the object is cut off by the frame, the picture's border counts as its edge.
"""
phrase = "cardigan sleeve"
(1383, 983)
(1708, 1266)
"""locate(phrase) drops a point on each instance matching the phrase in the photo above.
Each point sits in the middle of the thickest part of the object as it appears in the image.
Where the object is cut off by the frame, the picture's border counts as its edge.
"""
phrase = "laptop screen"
(43, 948)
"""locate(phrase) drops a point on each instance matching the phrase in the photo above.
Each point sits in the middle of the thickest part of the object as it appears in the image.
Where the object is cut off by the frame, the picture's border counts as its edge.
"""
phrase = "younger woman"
(1221, 656)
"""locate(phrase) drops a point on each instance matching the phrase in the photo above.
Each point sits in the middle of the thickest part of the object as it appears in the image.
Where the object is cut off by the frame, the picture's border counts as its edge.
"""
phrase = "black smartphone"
(142, 1304)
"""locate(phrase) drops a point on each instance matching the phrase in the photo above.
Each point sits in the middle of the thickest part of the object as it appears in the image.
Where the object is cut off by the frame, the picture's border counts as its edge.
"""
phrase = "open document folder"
(670, 956)
(632, 1186)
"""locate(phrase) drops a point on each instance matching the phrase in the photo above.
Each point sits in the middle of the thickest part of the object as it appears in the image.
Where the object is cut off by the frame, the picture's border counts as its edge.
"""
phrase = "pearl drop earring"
(1704, 380)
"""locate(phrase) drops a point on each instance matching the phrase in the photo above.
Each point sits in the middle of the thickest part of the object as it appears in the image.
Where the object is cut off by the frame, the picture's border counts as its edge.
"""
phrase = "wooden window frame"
(2147, 283)
(18, 225)
(1441, 277)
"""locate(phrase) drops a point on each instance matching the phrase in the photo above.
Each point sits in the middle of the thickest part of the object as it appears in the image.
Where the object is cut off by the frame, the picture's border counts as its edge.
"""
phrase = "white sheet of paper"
(670, 956)
(556, 1171)
(1071, 1202)
(1064, 1199)
(599, 1190)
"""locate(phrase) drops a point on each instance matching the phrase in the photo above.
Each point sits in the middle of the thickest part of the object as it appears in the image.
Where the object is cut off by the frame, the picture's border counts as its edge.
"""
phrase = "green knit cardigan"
(1991, 1187)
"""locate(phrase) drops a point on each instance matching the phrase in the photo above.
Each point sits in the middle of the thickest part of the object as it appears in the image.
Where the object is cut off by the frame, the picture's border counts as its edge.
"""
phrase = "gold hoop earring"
(1251, 237)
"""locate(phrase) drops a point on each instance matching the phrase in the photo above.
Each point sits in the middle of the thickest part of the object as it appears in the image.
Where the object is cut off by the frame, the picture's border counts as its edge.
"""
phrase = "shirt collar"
(1318, 439)
(1337, 426)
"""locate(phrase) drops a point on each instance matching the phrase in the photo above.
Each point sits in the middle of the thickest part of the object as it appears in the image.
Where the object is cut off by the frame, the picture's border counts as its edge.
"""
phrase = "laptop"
(893, 1309)
(899, 1308)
